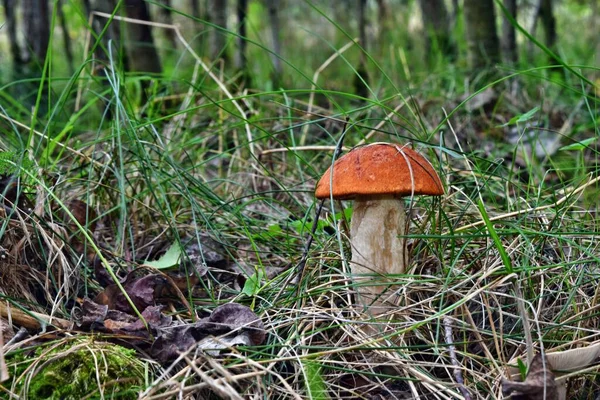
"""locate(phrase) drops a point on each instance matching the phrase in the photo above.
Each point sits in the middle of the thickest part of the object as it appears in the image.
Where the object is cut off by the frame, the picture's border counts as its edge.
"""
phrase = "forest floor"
(175, 249)
(190, 250)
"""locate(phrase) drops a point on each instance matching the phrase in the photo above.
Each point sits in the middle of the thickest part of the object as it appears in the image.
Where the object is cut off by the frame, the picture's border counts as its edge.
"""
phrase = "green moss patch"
(78, 369)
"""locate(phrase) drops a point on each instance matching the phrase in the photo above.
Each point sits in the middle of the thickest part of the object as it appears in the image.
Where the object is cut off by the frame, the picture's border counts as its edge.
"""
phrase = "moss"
(80, 368)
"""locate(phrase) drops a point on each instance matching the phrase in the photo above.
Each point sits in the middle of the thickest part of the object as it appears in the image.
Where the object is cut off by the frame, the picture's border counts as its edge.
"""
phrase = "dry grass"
(454, 324)
(469, 307)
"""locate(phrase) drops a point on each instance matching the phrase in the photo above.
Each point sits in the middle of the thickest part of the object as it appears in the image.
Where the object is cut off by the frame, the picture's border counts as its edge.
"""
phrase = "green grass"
(208, 156)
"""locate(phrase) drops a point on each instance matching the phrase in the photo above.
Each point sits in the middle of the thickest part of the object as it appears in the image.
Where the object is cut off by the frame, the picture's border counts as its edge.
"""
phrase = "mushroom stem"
(376, 230)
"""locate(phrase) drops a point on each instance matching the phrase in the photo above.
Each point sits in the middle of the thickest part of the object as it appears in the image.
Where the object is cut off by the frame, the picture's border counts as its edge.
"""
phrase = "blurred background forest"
(385, 46)
(147, 122)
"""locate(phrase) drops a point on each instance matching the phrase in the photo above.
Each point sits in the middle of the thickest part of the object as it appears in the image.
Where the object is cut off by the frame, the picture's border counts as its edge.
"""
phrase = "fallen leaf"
(83, 214)
(203, 251)
(245, 326)
(233, 323)
(538, 385)
(172, 342)
(153, 317)
(92, 313)
(168, 260)
(141, 290)
(567, 361)
(98, 317)
(233, 316)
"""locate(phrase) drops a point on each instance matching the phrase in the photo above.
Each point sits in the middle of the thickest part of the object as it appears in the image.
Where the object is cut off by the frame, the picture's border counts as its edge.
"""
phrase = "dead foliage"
(538, 385)
(237, 316)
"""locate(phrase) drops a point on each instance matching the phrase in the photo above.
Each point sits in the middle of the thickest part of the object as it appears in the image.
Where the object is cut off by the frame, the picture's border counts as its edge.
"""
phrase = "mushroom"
(376, 177)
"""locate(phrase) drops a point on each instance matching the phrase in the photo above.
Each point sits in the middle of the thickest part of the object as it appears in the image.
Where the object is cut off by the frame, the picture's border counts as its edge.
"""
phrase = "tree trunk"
(382, 11)
(66, 36)
(361, 80)
(483, 48)
(509, 37)
(200, 13)
(455, 11)
(36, 31)
(242, 11)
(362, 24)
(164, 16)
(195, 7)
(549, 23)
(217, 11)
(383, 21)
(274, 19)
(544, 13)
(101, 40)
(11, 28)
(87, 6)
(437, 26)
(594, 19)
(111, 36)
(143, 56)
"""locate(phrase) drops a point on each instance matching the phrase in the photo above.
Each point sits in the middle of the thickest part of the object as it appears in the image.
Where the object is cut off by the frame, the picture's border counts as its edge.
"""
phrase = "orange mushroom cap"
(380, 169)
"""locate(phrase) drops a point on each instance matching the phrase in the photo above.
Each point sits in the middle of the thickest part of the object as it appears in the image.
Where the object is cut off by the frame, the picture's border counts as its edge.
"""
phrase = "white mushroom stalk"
(377, 231)
(377, 177)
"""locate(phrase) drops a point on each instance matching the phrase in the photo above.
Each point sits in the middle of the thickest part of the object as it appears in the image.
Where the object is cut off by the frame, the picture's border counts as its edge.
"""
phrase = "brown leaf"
(84, 216)
(181, 283)
(152, 315)
(538, 385)
(98, 317)
(120, 316)
(234, 323)
(204, 251)
(233, 316)
(172, 342)
(141, 290)
(114, 326)
(92, 313)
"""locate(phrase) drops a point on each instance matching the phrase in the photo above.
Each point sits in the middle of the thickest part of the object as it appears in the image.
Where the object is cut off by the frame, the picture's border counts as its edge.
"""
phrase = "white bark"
(377, 249)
